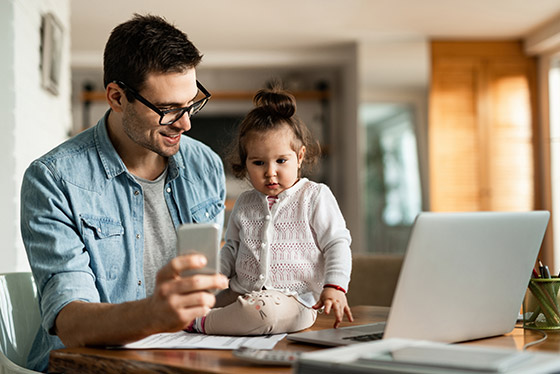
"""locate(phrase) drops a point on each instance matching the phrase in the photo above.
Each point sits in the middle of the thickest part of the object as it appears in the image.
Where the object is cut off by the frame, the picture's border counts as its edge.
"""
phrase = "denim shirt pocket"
(207, 210)
(104, 241)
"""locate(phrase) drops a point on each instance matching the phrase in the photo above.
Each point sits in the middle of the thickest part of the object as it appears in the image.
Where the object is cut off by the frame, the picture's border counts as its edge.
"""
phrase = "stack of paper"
(185, 340)
(415, 356)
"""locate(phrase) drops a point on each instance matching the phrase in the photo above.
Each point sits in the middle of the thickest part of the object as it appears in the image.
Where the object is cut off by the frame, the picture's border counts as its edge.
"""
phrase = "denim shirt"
(82, 222)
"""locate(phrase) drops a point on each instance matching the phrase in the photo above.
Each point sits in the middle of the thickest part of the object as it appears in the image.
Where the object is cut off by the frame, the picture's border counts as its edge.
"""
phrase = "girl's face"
(272, 164)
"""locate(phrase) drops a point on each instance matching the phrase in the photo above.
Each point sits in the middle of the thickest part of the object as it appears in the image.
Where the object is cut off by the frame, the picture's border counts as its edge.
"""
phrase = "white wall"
(399, 72)
(544, 43)
(35, 120)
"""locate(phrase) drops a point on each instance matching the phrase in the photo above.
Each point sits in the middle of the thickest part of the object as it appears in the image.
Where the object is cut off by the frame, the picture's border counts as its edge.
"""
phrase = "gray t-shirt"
(160, 241)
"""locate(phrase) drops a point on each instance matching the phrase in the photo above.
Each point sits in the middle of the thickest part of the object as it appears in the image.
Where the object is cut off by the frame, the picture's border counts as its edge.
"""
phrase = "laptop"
(463, 277)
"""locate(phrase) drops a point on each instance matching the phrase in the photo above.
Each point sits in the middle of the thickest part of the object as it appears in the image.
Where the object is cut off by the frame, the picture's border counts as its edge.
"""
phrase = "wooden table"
(96, 360)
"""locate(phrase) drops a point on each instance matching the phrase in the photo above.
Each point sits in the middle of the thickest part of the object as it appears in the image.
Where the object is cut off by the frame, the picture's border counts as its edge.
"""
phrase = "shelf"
(248, 95)
(93, 96)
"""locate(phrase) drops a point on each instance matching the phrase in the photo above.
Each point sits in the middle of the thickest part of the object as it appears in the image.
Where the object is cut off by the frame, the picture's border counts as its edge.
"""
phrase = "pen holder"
(541, 304)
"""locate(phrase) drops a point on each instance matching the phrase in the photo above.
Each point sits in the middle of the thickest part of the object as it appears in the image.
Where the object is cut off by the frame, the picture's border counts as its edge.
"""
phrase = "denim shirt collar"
(175, 163)
(112, 162)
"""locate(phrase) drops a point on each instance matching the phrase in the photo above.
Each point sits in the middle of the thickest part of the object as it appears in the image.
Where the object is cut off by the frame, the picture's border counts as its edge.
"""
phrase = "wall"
(544, 43)
(239, 71)
(400, 74)
(392, 72)
(35, 120)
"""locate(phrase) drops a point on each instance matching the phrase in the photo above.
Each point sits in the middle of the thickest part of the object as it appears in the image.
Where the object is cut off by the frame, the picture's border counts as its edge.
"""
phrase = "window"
(392, 190)
(554, 129)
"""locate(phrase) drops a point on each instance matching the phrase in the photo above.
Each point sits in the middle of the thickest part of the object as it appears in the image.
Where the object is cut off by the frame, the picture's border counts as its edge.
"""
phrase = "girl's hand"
(334, 299)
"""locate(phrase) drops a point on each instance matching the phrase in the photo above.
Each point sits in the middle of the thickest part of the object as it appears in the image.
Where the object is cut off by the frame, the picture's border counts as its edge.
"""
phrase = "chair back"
(374, 279)
(19, 317)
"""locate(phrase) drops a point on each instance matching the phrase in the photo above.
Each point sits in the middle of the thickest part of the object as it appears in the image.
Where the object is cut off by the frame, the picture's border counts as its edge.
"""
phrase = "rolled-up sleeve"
(55, 250)
(228, 253)
(333, 238)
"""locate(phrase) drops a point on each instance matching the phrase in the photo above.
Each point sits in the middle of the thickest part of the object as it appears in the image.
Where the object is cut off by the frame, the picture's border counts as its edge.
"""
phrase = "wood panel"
(453, 139)
(481, 127)
(510, 141)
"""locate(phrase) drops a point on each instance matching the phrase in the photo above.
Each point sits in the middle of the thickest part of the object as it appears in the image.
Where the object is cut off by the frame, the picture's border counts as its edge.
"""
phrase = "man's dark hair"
(146, 44)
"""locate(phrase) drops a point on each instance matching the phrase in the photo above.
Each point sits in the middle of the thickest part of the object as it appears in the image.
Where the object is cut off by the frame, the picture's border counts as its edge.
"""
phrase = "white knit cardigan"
(299, 245)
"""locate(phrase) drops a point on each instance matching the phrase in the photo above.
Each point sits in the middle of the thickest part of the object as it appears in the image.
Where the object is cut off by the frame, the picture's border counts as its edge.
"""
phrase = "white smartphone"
(201, 238)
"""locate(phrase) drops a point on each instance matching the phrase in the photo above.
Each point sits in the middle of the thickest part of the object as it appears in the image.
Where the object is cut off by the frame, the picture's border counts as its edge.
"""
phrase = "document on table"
(186, 340)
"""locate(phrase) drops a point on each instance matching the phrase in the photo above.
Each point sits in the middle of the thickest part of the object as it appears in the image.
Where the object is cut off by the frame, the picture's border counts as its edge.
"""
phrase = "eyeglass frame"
(163, 113)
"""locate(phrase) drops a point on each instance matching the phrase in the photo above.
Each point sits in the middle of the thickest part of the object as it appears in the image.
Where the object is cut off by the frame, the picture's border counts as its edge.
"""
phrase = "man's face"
(165, 91)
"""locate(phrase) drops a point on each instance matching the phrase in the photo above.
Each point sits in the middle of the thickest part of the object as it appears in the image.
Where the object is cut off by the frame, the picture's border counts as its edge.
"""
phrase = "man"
(99, 212)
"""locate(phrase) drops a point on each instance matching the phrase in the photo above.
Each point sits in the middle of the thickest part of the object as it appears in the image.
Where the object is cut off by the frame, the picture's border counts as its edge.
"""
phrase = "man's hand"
(334, 299)
(176, 301)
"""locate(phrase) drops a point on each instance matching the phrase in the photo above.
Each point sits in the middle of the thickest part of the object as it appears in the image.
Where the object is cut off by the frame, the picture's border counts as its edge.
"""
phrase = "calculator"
(267, 357)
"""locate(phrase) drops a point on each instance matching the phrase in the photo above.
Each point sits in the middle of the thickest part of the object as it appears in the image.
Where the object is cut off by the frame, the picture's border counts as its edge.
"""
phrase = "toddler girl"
(287, 251)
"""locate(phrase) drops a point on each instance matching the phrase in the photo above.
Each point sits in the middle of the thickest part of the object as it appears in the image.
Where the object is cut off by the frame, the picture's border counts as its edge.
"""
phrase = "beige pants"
(257, 313)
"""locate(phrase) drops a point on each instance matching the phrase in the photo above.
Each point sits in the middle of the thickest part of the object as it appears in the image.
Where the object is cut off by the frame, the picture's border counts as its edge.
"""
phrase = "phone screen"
(201, 238)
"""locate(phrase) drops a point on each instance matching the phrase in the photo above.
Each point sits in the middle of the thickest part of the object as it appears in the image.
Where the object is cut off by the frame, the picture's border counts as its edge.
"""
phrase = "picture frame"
(52, 37)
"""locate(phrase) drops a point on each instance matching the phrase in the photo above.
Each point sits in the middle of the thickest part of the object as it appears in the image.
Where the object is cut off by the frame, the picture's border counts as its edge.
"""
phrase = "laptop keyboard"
(366, 337)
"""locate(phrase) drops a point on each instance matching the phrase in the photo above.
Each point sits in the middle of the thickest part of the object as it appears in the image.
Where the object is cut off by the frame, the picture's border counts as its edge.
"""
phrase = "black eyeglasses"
(167, 117)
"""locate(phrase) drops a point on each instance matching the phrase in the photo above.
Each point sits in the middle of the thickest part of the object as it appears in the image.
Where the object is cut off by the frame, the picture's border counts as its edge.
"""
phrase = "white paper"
(185, 340)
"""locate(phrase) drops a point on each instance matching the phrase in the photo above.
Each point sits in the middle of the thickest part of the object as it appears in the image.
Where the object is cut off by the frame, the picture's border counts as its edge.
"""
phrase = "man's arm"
(174, 304)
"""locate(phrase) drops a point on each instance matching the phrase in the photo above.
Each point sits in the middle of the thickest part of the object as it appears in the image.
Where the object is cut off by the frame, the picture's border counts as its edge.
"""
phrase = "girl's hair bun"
(275, 108)
(276, 101)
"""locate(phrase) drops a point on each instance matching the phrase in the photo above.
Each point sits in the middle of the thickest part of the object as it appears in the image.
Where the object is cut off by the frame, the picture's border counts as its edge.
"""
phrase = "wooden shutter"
(481, 127)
